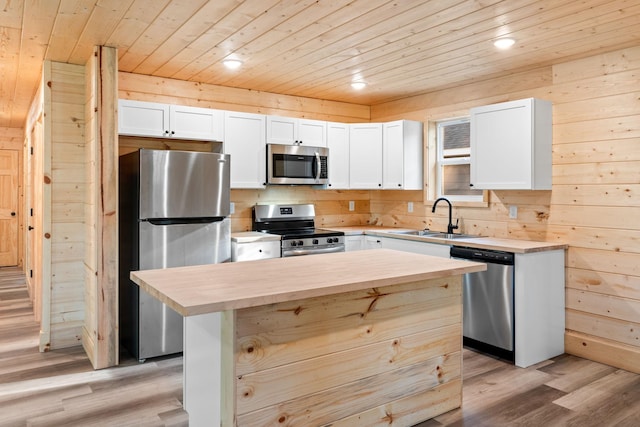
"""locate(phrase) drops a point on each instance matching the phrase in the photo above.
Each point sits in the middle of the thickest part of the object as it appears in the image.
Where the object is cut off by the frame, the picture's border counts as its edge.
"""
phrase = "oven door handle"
(296, 252)
(318, 166)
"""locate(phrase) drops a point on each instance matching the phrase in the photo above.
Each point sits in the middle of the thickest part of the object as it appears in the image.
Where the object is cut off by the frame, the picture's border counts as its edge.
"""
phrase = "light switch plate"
(513, 211)
(352, 205)
(410, 207)
(232, 208)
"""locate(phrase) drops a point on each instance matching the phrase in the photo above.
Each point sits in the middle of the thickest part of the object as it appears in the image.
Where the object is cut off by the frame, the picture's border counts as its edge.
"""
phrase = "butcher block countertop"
(499, 244)
(218, 287)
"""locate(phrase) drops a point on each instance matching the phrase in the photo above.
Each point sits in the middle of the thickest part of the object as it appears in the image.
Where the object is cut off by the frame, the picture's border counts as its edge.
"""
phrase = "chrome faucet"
(450, 226)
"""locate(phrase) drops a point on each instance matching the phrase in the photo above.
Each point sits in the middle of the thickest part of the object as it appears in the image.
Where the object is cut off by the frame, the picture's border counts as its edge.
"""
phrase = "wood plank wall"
(332, 206)
(594, 205)
(66, 101)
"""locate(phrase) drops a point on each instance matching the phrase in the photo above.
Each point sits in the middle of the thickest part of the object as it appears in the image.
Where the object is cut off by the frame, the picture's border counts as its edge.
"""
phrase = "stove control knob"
(329, 240)
(315, 241)
(300, 243)
(294, 243)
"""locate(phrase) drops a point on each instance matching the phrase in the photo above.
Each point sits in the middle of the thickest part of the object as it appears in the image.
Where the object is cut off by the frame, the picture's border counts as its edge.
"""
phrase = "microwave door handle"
(318, 166)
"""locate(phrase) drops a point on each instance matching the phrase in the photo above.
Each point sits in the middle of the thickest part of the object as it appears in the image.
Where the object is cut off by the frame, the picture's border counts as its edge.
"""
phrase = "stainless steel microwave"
(296, 164)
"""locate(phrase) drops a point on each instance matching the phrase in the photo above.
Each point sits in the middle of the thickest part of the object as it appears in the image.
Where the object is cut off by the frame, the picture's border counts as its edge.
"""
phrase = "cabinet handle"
(379, 185)
(399, 185)
(13, 214)
(470, 185)
(30, 228)
(173, 132)
(166, 132)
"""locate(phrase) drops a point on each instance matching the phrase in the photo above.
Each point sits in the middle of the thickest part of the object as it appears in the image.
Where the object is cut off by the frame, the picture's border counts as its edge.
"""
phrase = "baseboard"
(601, 350)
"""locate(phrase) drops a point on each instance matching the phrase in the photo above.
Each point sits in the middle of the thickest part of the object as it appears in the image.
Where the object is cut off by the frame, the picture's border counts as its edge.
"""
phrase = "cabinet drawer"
(254, 251)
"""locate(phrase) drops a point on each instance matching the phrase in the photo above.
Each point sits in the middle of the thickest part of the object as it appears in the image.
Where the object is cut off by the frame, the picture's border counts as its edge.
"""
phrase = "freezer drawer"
(174, 245)
(164, 245)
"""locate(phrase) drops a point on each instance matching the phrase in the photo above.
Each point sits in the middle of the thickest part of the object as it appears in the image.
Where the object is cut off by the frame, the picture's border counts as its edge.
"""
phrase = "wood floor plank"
(571, 373)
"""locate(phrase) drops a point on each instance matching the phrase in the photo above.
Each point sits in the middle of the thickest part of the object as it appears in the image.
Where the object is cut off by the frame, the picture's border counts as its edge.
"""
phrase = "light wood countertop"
(217, 287)
(499, 244)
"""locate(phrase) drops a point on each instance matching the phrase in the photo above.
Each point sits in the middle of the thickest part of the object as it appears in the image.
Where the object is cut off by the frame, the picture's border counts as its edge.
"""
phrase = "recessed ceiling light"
(232, 64)
(504, 43)
(358, 85)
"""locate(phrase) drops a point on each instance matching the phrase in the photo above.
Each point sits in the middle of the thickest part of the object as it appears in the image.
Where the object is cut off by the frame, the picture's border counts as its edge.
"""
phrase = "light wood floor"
(59, 388)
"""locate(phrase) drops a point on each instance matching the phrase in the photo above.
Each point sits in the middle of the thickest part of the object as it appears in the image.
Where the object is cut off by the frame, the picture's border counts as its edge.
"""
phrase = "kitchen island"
(357, 338)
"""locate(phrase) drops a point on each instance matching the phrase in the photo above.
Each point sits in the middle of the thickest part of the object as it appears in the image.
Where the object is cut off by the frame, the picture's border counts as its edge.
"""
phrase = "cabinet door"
(353, 243)
(511, 145)
(312, 133)
(392, 155)
(282, 130)
(140, 118)
(338, 144)
(244, 140)
(365, 156)
(196, 123)
(372, 242)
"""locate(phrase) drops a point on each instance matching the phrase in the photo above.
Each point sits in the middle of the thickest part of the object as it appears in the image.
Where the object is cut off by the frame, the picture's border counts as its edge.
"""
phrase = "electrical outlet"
(352, 205)
(232, 208)
(410, 207)
(513, 211)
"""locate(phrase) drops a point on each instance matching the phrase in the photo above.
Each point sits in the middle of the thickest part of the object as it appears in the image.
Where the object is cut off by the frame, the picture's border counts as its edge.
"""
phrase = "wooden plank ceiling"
(306, 47)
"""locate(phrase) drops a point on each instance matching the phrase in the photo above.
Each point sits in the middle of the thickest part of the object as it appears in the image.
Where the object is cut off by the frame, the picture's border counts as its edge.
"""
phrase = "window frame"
(436, 161)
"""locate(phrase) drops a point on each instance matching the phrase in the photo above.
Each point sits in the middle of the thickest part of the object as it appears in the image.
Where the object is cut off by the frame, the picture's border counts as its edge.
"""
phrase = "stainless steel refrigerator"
(173, 211)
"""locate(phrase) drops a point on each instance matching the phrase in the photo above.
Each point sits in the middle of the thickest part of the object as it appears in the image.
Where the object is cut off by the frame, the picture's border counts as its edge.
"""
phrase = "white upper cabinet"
(402, 155)
(140, 118)
(338, 144)
(196, 123)
(290, 131)
(365, 156)
(511, 145)
(244, 140)
(153, 119)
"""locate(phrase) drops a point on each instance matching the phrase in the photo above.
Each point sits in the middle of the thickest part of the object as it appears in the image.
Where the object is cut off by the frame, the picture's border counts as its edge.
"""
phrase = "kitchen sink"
(443, 235)
(435, 234)
(415, 232)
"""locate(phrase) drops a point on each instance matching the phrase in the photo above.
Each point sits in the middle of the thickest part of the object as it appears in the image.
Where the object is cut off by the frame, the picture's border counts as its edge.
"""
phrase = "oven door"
(312, 251)
(295, 164)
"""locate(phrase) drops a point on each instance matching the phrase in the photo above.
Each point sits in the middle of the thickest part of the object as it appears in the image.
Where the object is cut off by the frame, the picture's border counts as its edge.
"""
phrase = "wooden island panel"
(350, 339)
(380, 354)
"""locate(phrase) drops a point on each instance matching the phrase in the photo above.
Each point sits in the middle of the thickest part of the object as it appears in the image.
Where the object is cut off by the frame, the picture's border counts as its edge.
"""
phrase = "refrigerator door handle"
(179, 221)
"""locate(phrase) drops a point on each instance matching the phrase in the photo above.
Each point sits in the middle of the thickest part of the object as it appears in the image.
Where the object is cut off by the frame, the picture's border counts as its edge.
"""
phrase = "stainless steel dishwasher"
(487, 302)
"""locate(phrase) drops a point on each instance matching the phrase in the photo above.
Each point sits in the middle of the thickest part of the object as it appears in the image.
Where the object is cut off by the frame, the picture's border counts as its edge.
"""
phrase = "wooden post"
(100, 332)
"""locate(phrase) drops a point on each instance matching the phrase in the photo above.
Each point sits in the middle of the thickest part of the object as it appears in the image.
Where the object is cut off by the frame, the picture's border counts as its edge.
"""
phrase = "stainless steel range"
(296, 225)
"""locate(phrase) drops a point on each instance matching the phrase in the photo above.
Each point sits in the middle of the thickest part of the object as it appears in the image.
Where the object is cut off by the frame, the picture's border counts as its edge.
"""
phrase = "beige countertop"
(216, 287)
(508, 245)
(253, 236)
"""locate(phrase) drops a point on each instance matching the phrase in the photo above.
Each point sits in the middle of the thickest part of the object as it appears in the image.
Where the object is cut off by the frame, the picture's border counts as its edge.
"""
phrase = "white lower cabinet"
(424, 248)
(362, 242)
(254, 251)
(354, 243)
(372, 242)
(252, 245)
(539, 306)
